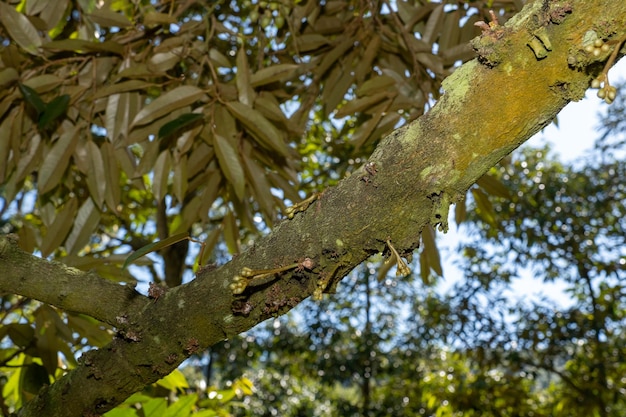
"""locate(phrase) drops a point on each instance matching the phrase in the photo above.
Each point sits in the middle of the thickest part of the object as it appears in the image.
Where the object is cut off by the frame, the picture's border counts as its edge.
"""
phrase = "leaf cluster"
(165, 117)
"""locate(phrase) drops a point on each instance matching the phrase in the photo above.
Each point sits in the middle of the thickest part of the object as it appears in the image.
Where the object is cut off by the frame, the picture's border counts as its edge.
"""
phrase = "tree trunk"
(527, 71)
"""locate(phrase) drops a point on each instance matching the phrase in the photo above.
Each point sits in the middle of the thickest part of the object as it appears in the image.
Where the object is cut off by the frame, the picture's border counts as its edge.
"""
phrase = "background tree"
(195, 141)
(475, 350)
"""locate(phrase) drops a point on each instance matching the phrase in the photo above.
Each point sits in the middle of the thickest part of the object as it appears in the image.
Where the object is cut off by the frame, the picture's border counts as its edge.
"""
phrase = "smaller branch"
(65, 287)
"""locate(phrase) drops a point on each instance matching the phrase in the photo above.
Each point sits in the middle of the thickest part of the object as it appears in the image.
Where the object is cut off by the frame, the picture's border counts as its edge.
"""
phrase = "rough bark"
(491, 106)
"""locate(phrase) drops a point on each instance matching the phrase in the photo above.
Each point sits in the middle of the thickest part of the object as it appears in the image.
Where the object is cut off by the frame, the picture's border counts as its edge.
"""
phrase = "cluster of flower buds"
(597, 47)
(605, 90)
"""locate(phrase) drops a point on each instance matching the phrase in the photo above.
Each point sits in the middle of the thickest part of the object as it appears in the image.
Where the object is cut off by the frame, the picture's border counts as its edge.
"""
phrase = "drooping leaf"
(8, 75)
(180, 124)
(231, 233)
(209, 245)
(180, 179)
(44, 83)
(182, 407)
(433, 25)
(121, 87)
(174, 99)
(55, 109)
(35, 6)
(53, 17)
(259, 187)
(56, 160)
(263, 130)
(153, 247)
(21, 334)
(493, 186)
(430, 250)
(20, 29)
(360, 104)
(153, 18)
(59, 228)
(108, 18)
(112, 176)
(335, 54)
(5, 146)
(160, 178)
(84, 46)
(371, 52)
(96, 175)
(33, 99)
(244, 89)
(154, 407)
(84, 225)
(165, 61)
(33, 378)
(230, 164)
(375, 85)
(273, 73)
(484, 206)
(174, 381)
(310, 42)
(460, 211)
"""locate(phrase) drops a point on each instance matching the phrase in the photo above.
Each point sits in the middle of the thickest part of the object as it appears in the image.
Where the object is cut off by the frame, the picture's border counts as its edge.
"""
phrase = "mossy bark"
(527, 71)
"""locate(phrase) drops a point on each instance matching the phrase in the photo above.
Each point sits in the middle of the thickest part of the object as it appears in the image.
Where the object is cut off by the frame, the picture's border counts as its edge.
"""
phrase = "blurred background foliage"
(125, 122)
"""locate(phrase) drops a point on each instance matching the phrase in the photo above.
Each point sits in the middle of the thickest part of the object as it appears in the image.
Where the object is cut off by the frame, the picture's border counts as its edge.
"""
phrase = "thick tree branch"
(65, 287)
(489, 109)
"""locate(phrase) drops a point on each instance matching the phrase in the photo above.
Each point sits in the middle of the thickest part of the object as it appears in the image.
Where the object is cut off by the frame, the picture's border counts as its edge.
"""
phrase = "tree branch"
(65, 287)
(489, 108)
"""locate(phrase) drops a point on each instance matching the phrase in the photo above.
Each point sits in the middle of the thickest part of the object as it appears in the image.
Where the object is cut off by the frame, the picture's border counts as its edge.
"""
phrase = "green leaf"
(244, 89)
(259, 186)
(180, 181)
(112, 176)
(460, 211)
(81, 46)
(86, 221)
(96, 177)
(209, 245)
(161, 174)
(108, 18)
(182, 407)
(153, 18)
(56, 160)
(32, 99)
(33, 378)
(154, 407)
(376, 84)
(153, 247)
(430, 250)
(262, 129)
(273, 73)
(180, 124)
(122, 87)
(493, 186)
(231, 233)
(360, 104)
(20, 29)
(59, 228)
(22, 335)
(174, 381)
(55, 109)
(172, 100)
(230, 164)
(484, 206)
(8, 75)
